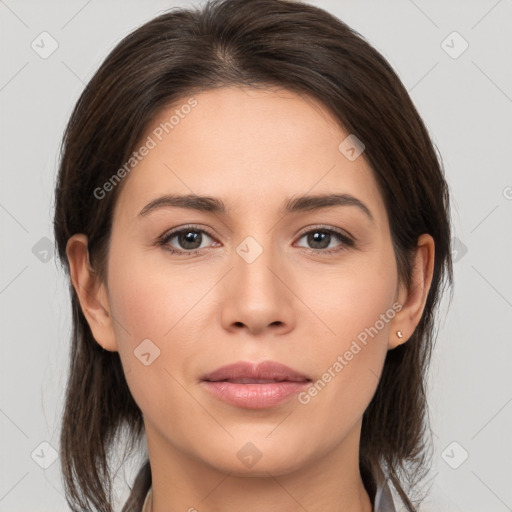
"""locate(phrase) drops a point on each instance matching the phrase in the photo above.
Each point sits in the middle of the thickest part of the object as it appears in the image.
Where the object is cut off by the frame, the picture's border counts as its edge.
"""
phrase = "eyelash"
(346, 241)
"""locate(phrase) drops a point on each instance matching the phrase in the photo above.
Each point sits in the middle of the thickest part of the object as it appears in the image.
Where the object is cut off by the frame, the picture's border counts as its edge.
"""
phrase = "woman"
(255, 225)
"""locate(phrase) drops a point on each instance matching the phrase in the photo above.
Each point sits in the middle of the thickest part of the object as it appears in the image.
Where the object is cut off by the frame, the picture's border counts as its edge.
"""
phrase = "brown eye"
(188, 240)
(324, 240)
(319, 239)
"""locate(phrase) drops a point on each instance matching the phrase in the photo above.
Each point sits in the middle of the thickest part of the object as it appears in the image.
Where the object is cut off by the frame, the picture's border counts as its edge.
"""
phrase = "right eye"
(189, 240)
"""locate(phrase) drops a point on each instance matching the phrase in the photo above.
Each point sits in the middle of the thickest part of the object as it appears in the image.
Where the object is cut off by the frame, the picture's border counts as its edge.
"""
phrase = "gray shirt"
(383, 499)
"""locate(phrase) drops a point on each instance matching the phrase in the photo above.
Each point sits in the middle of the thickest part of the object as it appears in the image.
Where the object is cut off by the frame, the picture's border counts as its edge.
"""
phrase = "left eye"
(321, 238)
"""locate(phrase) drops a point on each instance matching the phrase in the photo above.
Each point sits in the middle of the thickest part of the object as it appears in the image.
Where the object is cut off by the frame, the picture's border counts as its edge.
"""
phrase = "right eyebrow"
(190, 201)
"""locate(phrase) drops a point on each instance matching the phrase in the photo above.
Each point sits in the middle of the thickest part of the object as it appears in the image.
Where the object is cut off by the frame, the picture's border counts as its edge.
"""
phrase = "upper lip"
(266, 370)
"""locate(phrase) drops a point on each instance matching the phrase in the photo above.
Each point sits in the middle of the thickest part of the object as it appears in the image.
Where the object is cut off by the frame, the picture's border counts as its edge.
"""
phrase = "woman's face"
(270, 280)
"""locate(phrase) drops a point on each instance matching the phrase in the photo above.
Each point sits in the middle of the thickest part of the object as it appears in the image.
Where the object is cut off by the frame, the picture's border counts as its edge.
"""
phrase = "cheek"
(151, 298)
(349, 354)
(348, 372)
(353, 301)
(151, 307)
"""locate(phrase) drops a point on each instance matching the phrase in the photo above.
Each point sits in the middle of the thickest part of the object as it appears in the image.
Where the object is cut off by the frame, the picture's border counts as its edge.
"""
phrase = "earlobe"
(396, 337)
(413, 300)
(91, 292)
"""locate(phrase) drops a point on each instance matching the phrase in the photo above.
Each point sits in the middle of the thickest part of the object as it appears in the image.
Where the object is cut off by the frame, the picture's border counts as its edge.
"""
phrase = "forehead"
(252, 148)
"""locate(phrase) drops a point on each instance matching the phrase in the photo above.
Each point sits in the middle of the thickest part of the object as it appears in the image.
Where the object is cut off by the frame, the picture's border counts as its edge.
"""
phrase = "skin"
(253, 149)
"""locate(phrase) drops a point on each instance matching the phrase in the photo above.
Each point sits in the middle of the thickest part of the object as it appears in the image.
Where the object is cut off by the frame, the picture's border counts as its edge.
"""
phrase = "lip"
(254, 386)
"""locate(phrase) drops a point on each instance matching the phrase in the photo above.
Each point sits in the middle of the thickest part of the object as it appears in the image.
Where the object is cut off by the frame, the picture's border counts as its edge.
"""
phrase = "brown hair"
(258, 43)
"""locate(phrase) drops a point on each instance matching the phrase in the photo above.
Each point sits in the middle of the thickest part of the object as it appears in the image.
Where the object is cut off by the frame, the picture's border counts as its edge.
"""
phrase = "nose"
(256, 294)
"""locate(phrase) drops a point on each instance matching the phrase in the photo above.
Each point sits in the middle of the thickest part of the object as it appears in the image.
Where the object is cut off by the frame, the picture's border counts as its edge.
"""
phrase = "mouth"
(254, 386)
(255, 381)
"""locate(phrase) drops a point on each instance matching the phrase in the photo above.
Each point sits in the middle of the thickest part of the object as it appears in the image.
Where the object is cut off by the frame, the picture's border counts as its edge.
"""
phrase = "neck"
(329, 483)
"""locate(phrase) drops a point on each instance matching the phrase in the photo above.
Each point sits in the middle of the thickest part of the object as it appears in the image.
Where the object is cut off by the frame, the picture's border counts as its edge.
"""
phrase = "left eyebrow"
(316, 202)
(214, 205)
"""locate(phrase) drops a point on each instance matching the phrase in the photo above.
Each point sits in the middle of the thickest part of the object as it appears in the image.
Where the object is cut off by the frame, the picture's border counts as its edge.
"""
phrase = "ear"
(91, 292)
(413, 299)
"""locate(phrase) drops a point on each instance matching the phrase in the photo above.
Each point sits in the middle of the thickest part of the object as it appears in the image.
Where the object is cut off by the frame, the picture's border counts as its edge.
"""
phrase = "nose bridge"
(256, 297)
(254, 260)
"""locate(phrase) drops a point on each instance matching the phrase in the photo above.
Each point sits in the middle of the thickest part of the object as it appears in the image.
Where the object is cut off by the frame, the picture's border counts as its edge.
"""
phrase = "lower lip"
(254, 396)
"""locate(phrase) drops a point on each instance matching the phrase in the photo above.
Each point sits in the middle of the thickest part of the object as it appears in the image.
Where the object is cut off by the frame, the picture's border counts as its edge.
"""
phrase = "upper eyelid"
(173, 232)
(321, 227)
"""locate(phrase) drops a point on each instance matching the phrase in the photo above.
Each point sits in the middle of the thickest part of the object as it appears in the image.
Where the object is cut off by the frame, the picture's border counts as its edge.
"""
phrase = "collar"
(383, 498)
(149, 498)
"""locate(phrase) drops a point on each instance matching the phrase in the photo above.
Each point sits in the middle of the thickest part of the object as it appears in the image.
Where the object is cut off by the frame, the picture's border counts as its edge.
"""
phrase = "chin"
(258, 459)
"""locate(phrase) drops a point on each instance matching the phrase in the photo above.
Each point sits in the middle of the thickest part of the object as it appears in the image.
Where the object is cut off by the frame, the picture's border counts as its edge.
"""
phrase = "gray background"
(466, 102)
